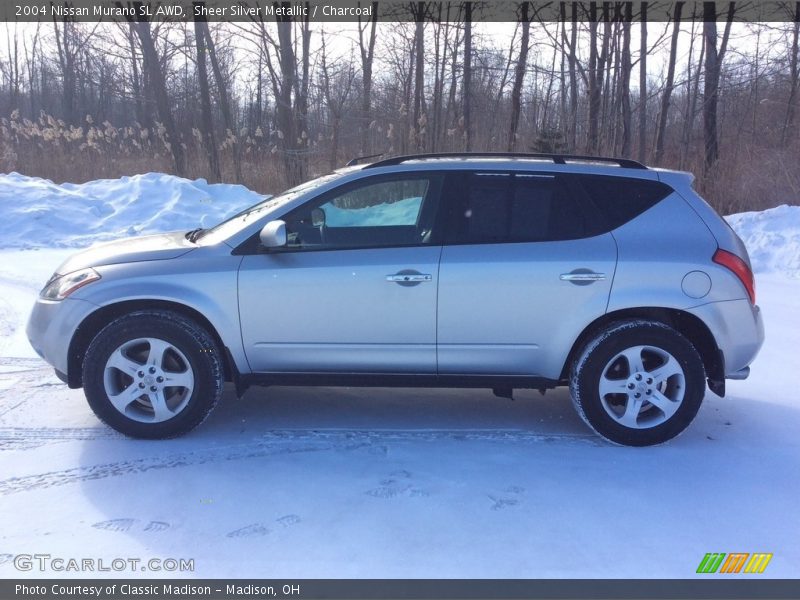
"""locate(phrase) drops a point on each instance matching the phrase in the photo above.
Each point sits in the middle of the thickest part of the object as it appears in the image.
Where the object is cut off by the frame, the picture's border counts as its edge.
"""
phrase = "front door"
(354, 290)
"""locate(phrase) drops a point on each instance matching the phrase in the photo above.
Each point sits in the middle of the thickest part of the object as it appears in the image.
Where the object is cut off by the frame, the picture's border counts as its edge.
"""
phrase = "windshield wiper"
(194, 234)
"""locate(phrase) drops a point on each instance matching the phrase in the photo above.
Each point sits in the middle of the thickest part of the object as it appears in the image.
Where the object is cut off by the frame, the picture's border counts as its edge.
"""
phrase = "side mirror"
(273, 235)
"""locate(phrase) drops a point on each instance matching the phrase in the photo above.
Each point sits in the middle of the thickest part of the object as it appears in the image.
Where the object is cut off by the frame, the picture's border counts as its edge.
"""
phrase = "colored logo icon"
(735, 562)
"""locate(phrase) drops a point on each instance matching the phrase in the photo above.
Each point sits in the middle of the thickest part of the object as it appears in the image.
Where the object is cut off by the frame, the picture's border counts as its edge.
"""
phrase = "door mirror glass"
(273, 235)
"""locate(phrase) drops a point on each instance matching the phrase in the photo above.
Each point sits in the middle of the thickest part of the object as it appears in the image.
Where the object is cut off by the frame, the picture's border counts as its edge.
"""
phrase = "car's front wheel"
(152, 374)
(638, 383)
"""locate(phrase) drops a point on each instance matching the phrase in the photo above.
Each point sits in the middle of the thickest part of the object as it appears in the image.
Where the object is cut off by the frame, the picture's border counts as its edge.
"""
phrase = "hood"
(161, 246)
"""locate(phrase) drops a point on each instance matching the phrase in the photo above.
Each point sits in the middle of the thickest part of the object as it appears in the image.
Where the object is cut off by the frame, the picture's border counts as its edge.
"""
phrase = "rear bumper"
(740, 374)
(738, 328)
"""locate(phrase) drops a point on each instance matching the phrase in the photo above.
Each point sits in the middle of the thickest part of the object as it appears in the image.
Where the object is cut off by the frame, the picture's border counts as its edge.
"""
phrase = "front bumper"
(51, 327)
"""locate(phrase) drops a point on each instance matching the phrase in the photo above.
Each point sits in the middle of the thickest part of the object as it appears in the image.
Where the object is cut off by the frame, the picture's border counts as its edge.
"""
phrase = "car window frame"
(448, 207)
(432, 202)
(604, 222)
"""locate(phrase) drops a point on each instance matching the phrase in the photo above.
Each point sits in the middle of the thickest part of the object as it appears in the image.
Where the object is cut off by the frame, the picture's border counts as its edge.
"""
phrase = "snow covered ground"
(326, 482)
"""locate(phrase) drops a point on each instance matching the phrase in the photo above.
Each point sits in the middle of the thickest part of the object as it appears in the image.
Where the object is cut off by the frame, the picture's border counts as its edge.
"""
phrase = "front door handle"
(408, 277)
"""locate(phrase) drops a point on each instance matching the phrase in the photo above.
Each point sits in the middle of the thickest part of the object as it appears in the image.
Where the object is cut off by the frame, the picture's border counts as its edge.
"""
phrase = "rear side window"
(621, 199)
(493, 208)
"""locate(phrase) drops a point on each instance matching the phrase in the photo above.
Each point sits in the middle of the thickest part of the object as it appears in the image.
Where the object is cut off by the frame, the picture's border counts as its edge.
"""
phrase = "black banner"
(401, 589)
(383, 10)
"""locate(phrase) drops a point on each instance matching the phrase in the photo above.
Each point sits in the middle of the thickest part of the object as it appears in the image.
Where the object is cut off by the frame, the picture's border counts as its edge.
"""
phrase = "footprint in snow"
(511, 496)
(397, 484)
(288, 520)
(123, 525)
(115, 524)
(157, 526)
(249, 531)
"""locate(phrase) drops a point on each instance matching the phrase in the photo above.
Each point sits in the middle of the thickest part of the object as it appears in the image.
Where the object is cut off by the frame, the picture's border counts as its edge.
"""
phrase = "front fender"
(206, 284)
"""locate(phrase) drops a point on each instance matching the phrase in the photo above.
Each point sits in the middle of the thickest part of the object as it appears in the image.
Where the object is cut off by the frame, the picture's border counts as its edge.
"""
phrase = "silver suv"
(496, 271)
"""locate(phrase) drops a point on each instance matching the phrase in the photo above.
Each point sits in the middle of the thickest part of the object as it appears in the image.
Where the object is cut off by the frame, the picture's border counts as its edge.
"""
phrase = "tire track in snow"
(27, 438)
(10, 364)
(14, 485)
(273, 444)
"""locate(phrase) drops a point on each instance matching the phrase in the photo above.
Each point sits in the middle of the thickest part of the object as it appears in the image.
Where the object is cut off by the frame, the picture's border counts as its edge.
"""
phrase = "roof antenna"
(358, 159)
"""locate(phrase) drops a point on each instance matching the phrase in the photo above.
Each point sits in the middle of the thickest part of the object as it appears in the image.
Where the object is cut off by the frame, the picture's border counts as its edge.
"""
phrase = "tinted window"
(506, 207)
(367, 214)
(620, 199)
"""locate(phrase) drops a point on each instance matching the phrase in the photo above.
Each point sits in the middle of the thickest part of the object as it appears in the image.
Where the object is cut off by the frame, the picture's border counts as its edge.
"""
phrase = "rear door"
(521, 273)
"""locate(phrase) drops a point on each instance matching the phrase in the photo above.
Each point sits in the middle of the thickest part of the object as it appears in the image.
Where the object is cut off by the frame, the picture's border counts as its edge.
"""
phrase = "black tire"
(604, 357)
(188, 343)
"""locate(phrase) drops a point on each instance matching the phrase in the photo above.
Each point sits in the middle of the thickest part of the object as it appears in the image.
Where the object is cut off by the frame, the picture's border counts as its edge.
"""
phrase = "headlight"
(61, 286)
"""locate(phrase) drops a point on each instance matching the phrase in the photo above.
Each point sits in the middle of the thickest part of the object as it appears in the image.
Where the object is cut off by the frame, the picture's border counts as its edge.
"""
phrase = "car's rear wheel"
(152, 374)
(638, 383)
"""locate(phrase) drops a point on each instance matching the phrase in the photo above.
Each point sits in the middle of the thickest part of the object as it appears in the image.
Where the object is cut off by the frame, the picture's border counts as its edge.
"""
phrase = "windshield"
(241, 219)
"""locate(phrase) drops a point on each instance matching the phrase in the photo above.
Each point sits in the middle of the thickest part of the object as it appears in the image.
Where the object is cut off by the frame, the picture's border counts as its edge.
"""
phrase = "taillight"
(739, 268)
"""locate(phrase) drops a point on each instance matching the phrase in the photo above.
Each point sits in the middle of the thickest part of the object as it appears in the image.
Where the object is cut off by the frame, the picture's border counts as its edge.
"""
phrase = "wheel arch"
(94, 322)
(687, 324)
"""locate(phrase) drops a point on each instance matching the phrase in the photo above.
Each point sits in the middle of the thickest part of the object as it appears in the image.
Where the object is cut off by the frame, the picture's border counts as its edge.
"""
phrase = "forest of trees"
(270, 104)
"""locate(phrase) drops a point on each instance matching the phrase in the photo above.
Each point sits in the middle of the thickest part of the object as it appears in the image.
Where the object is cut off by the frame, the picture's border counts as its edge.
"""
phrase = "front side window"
(386, 212)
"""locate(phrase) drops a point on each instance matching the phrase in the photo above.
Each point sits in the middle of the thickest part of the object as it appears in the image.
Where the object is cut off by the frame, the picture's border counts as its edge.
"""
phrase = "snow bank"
(772, 238)
(39, 213)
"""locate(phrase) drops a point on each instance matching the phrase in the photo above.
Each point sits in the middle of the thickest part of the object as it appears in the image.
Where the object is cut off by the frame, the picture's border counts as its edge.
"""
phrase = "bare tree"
(66, 45)
(31, 67)
(692, 90)
(336, 88)
(156, 78)
(136, 78)
(573, 81)
(665, 98)
(794, 76)
(418, 124)
(594, 87)
(519, 77)
(289, 92)
(597, 67)
(222, 94)
(467, 94)
(12, 72)
(643, 86)
(713, 65)
(367, 49)
(625, 81)
(207, 124)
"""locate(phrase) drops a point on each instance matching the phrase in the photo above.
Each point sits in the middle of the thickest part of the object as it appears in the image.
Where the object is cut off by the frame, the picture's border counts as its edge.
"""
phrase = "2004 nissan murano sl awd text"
(499, 271)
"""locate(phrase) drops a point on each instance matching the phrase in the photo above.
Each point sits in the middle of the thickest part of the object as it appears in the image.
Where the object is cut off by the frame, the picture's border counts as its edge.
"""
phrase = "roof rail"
(559, 159)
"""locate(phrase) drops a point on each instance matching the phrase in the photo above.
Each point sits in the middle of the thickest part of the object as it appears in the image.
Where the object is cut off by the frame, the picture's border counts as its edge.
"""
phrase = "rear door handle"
(582, 277)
